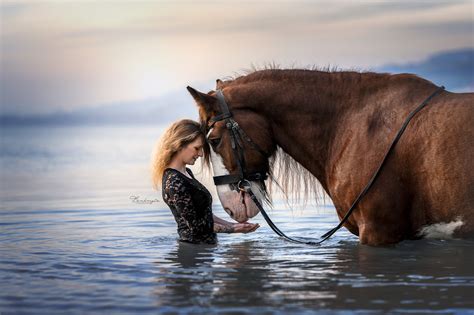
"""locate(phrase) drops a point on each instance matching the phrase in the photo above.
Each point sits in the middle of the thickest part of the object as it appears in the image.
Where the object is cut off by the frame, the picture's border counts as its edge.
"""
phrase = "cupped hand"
(245, 227)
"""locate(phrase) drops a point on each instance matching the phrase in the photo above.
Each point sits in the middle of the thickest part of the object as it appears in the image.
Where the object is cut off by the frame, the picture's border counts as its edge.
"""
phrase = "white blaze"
(231, 200)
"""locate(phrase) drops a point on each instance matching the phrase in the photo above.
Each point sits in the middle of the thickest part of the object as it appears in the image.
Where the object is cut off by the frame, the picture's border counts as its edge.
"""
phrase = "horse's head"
(240, 146)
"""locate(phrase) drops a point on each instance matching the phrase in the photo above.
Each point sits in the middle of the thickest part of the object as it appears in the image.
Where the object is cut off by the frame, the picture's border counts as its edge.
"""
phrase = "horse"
(336, 126)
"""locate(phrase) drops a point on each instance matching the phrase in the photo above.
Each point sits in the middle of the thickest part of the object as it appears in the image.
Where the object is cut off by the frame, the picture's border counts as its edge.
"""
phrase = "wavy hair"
(176, 137)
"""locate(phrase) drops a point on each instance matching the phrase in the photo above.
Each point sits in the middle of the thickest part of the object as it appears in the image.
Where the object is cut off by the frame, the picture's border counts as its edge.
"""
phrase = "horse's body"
(338, 125)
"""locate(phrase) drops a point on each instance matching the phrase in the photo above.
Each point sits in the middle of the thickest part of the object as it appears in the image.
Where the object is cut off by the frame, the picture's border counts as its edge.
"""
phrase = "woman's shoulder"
(172, 177)
(171, 172)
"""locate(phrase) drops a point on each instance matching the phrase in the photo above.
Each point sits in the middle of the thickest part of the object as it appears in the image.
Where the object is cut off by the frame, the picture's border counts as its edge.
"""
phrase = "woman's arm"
(220, 221)
(223, 226)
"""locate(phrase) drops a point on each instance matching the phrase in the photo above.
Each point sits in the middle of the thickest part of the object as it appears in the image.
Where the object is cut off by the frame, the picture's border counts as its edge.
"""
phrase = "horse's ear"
(219, 84)
(204, 101)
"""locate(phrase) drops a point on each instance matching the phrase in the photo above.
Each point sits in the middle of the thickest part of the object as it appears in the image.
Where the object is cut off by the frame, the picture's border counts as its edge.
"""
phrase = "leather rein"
(241, 181)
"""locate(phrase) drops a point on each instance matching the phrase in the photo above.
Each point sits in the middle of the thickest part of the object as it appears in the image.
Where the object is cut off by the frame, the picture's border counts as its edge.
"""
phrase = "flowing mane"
(294, 180)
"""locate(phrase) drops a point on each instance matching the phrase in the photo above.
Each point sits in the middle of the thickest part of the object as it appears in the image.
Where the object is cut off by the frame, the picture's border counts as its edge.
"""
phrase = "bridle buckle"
(244, 185)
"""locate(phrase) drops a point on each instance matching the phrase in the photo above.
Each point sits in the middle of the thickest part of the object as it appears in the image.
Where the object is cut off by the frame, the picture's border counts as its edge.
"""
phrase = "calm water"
(81, 231)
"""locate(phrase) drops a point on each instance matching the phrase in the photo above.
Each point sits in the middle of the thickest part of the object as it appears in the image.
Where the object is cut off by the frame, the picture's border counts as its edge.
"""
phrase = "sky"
(65, 55)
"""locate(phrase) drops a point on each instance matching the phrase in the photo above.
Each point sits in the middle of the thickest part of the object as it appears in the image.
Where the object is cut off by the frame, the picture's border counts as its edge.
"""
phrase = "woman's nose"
(200, 152)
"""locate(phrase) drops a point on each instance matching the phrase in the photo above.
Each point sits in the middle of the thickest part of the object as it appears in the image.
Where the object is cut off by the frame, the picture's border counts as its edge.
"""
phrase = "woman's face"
(192, 151)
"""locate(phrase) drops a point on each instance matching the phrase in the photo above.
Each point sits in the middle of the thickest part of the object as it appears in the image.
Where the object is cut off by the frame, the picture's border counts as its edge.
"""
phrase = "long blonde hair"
(176, 137)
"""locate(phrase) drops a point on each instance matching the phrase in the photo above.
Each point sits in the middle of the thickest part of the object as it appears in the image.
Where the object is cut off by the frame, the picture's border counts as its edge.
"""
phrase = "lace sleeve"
(180, 198)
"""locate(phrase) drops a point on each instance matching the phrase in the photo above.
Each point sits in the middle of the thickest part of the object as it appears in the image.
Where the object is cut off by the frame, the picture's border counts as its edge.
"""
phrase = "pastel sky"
(60, 55)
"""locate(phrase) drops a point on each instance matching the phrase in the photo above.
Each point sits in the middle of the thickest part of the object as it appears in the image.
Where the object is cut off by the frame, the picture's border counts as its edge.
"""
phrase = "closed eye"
(214, 142)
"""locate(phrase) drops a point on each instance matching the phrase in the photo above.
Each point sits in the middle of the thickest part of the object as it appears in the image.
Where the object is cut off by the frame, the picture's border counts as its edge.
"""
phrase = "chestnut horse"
(338, 126)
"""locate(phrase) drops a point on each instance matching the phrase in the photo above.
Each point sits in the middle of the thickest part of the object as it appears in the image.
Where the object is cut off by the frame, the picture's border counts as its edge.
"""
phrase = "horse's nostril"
(229, 212)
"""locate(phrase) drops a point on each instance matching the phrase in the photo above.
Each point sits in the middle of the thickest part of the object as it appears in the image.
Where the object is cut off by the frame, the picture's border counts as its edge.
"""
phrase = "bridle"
(241, 182)
(237, 138)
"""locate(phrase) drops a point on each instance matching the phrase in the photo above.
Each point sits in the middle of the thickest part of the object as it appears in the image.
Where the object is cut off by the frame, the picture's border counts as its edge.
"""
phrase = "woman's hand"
(245, 227)
(235, 227)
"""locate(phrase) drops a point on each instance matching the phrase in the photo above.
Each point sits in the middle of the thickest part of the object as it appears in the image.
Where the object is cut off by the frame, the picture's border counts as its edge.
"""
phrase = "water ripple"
(88, 261)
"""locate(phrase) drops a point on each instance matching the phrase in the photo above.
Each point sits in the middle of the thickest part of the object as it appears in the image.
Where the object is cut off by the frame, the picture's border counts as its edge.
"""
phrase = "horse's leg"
(380, 217)
(376, 234)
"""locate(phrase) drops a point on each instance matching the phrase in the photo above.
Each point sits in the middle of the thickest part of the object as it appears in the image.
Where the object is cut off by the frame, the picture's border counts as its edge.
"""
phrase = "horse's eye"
(214, 142)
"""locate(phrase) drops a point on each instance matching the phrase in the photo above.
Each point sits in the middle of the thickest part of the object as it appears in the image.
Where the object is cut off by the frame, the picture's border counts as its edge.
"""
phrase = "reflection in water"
(204, 275)
(118, 267)
(191, 255)
(414, 274)
(417, 275)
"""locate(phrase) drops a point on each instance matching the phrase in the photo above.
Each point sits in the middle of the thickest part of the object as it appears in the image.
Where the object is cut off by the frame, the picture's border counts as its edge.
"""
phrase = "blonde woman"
(190, 202)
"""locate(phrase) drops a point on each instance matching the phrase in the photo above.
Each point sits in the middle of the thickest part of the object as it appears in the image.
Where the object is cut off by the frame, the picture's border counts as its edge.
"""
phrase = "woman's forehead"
(199, 141)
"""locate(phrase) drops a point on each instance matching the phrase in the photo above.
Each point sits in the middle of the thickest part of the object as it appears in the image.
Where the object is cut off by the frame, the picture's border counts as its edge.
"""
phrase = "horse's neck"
(311, 112)
(307, 118)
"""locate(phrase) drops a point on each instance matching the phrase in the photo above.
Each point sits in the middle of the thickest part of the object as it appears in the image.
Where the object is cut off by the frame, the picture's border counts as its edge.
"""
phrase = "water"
(74, 240)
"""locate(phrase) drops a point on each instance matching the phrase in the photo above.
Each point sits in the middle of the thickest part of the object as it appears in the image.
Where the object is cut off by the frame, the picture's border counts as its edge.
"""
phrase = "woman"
(190, 202)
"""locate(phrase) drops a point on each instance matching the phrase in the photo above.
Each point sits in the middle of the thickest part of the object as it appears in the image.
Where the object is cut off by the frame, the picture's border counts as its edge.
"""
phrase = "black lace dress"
(191, 205)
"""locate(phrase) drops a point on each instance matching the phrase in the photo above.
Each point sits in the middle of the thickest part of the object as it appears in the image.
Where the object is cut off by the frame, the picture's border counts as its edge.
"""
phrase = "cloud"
(62, 55)
(207, 18)
(453, 69)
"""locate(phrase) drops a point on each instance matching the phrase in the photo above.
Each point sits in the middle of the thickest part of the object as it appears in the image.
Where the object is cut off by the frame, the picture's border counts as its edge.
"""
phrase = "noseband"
(241, 182)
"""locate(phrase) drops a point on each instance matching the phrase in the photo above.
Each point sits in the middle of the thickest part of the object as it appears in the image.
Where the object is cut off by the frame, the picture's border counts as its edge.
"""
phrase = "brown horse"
(338, 126)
